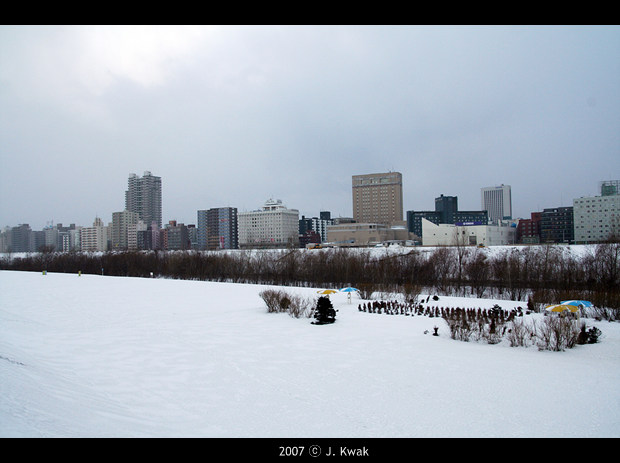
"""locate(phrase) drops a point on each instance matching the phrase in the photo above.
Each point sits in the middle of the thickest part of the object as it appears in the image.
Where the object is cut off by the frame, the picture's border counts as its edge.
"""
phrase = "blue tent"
(577, 303)
(348, 289)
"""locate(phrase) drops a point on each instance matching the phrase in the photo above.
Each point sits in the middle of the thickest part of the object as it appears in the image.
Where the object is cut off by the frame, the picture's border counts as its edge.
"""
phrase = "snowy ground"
(93, 356)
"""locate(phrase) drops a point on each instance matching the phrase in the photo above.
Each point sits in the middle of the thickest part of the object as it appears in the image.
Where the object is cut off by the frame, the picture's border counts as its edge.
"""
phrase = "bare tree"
(477, 271)
(461, 241)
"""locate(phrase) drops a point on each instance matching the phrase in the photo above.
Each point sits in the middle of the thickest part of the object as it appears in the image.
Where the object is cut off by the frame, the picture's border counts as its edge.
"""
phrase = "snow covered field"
(94, 356)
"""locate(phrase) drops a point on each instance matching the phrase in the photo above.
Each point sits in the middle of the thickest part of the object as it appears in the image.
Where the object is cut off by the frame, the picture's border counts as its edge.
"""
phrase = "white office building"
(596, 218)
(497, 201)
(272, 226)
(466, 235)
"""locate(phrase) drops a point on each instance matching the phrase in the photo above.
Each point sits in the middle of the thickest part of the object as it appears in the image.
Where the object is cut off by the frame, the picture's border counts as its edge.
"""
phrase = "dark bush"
(588, 336)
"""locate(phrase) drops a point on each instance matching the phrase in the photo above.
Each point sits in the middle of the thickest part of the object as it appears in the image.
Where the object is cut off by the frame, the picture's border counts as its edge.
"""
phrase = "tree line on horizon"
(542, 274)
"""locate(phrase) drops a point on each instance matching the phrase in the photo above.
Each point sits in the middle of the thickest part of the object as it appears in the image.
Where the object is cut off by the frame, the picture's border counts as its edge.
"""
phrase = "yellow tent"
(562, 308)
(327, 291)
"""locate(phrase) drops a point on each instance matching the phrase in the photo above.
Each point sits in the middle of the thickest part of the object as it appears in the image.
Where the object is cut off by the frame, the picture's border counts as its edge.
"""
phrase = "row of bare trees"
(543, 273)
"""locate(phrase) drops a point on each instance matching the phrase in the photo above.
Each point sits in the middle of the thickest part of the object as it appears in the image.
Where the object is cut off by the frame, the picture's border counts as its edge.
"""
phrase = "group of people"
(391, 308)
(410, 309)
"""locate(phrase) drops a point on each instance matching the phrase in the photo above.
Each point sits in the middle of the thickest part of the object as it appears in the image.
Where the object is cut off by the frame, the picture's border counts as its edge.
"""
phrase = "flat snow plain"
(95, 356)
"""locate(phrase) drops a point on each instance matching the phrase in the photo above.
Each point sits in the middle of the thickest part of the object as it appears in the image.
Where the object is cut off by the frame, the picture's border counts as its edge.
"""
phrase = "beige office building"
(367, 234)
(378, 198)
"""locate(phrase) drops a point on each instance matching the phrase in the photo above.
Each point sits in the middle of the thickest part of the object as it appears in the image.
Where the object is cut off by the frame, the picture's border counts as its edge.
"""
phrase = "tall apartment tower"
(143, 196)
(497, 200)
(378, 198)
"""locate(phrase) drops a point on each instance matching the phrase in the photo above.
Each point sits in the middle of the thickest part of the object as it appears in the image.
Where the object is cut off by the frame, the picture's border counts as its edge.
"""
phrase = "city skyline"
(375, 221)
(229, 116)
(259, 206)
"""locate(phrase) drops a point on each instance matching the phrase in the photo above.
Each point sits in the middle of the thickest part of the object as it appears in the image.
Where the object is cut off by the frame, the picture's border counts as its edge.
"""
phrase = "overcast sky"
(234, 115)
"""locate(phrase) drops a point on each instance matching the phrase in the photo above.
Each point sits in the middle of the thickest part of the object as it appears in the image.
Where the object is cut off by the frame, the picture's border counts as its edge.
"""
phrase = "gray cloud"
(234, 115)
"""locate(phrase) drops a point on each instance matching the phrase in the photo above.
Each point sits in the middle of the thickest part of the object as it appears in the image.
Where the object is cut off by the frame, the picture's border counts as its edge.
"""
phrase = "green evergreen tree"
(324, 312)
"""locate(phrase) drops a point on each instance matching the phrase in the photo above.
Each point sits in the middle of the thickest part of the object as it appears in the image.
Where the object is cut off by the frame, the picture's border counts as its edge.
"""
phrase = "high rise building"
(218, 228)
(497, 200)
(378, 198)
(143, 196)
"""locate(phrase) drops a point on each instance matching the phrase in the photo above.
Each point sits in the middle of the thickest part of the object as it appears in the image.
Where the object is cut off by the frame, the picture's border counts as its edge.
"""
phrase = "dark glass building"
(557, 225)
(446, 211)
